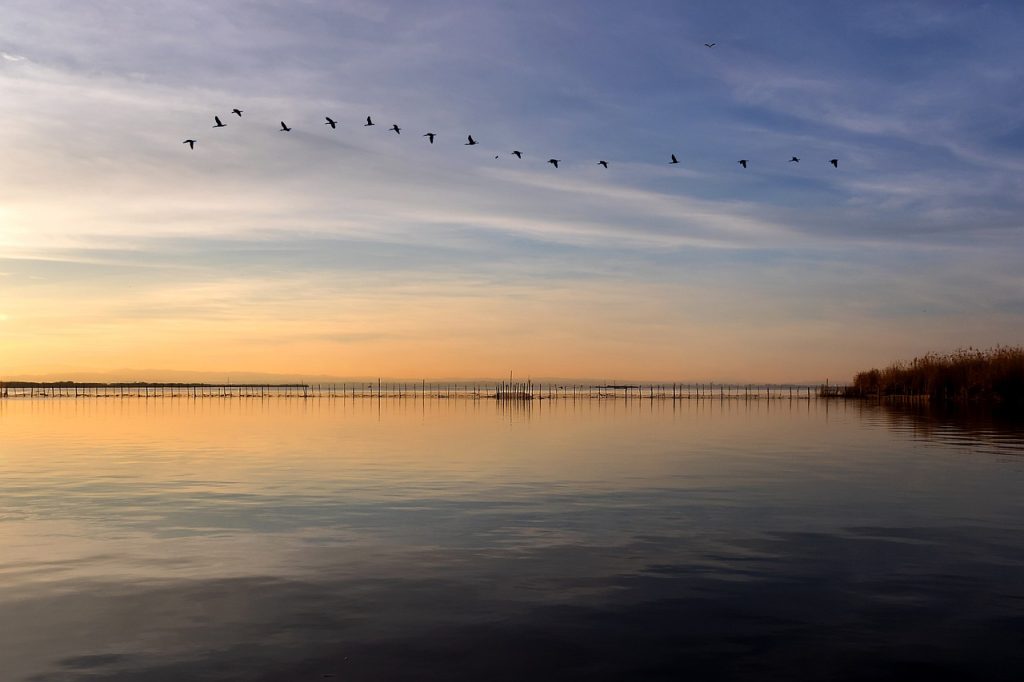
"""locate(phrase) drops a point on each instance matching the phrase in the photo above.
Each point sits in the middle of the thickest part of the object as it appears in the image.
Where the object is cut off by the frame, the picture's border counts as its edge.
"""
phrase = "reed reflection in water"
(428, 539)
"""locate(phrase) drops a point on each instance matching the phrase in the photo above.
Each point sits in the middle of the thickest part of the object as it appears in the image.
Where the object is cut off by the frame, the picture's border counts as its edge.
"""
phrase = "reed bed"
(965, 375)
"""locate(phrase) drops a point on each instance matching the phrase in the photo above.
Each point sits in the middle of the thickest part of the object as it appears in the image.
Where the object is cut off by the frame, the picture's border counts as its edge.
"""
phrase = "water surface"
(289, 539)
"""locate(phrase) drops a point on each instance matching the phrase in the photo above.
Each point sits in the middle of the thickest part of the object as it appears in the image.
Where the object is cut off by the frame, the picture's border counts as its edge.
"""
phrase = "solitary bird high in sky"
(331, 122)
(396, 128)
(218, 124)
(518, 154)
(602, 163)
(742, 162)
(470, 142)
(191, 143)
(430, 136)
(795, 159)
(284, 128)
(674, 159)
(710, 44)
(237, 112)
(554, 162)
(369, 122)
(835, 163)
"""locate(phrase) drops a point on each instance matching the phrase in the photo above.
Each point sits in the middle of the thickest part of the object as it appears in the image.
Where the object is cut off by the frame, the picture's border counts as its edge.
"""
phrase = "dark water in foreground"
(296, 540)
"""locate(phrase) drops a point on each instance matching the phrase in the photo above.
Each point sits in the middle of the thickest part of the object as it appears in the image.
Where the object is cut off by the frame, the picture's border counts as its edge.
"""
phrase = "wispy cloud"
(108, 223)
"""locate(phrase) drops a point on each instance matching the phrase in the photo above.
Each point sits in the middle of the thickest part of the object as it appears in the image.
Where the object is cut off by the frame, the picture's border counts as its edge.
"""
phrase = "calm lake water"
(459, 540)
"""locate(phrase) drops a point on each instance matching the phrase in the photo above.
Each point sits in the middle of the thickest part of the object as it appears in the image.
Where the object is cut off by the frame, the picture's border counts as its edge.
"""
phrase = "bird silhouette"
(191, 143)
(470, 142)
(517, 154)
(331, 122)
(396, 128)
(237, 112)
(554, 162)
(742, 162)
(369, 122)
(835, 163)
(431, 136)
(284, 128)
(218, 124)
(710, 44)
(794, 160)
(602, 163)
(674, 159)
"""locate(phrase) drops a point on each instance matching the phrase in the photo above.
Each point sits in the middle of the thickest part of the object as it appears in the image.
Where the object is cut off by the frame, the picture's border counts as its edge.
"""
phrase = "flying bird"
(742, 162)
(284, 128)
(835, 163)
(237, 112)
(710, 44)
(674, 159)
(331, 122)
(602, 163)
(218, 124)
(191, 143)
(431, 136)
(396, 128)
(795, 160)
(470, 142)
(369, 122)
(554, 162)
(517, 154)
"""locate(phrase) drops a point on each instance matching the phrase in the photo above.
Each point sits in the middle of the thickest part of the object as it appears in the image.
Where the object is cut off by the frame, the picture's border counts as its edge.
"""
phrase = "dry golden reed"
(965, 375)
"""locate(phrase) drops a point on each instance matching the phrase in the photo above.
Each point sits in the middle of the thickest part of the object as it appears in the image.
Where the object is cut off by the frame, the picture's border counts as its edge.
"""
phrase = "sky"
(360, 252)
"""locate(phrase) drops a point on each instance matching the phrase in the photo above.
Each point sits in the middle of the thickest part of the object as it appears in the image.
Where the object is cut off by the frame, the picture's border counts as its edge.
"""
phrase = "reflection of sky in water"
(248, 540)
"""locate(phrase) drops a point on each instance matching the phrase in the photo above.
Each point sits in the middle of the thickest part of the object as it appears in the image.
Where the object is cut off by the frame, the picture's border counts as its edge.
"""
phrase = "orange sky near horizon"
(610, 331)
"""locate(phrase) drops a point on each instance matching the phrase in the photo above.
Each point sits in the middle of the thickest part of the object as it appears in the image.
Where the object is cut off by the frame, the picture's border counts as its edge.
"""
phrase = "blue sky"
(357, 251)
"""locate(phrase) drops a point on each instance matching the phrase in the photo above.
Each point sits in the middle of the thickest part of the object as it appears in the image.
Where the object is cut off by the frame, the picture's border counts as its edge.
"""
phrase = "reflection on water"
(364, 540)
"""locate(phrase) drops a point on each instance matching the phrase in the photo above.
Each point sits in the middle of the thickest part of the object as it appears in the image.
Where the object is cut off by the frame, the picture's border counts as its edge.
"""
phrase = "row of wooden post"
(525, 390)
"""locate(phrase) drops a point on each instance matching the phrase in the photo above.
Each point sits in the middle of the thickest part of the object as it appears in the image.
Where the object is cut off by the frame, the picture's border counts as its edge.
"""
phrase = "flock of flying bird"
(469, 138)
